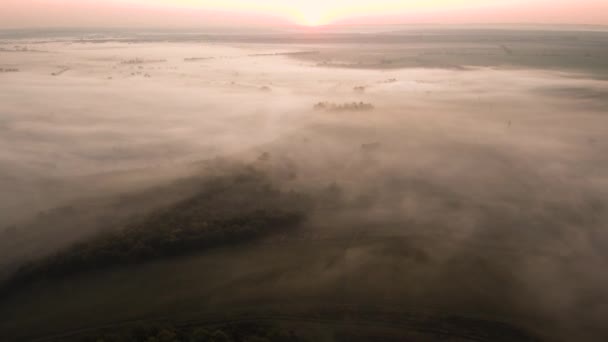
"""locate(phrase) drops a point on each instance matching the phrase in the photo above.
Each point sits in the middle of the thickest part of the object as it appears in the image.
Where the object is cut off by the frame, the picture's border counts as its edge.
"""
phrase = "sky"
(200, 13)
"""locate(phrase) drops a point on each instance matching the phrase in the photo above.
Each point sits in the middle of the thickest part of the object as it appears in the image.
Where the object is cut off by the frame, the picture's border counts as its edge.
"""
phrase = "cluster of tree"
(296, 53)
(332, 64)
(21, 48)
(142, 61)
(139, 73)
(445, 328)
(63, 69)
(371, 147)
(226, 210)
(253, 332)
(9, 70)
(346, 107)
(194, 59)
(390, 80)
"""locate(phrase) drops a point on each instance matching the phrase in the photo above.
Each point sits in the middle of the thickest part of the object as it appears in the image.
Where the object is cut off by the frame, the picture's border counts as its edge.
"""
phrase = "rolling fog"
(496, 175)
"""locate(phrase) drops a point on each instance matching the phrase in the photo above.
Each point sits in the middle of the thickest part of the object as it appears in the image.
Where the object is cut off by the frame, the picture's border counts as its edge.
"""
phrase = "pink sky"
(200, 13)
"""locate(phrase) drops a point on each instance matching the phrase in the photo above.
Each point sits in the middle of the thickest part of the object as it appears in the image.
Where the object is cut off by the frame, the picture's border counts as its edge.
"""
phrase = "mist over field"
(445, 173)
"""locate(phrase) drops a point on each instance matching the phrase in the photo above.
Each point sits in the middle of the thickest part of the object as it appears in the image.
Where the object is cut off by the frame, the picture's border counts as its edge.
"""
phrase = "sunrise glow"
(192, 13)
(320, 12)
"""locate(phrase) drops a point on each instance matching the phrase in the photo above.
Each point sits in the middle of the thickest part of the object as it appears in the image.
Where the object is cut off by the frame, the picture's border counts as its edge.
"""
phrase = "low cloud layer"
(493, 179)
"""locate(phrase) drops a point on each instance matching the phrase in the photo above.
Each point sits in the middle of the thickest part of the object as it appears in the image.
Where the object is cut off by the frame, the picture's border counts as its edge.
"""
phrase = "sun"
(311, 20)
(312, 17)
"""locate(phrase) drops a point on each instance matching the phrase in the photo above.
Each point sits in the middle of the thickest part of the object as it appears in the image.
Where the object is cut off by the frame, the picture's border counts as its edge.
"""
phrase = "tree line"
(226, 210)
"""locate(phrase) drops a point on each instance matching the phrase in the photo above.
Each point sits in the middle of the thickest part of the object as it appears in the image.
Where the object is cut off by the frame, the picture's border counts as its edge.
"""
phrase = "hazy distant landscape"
(394, 184)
